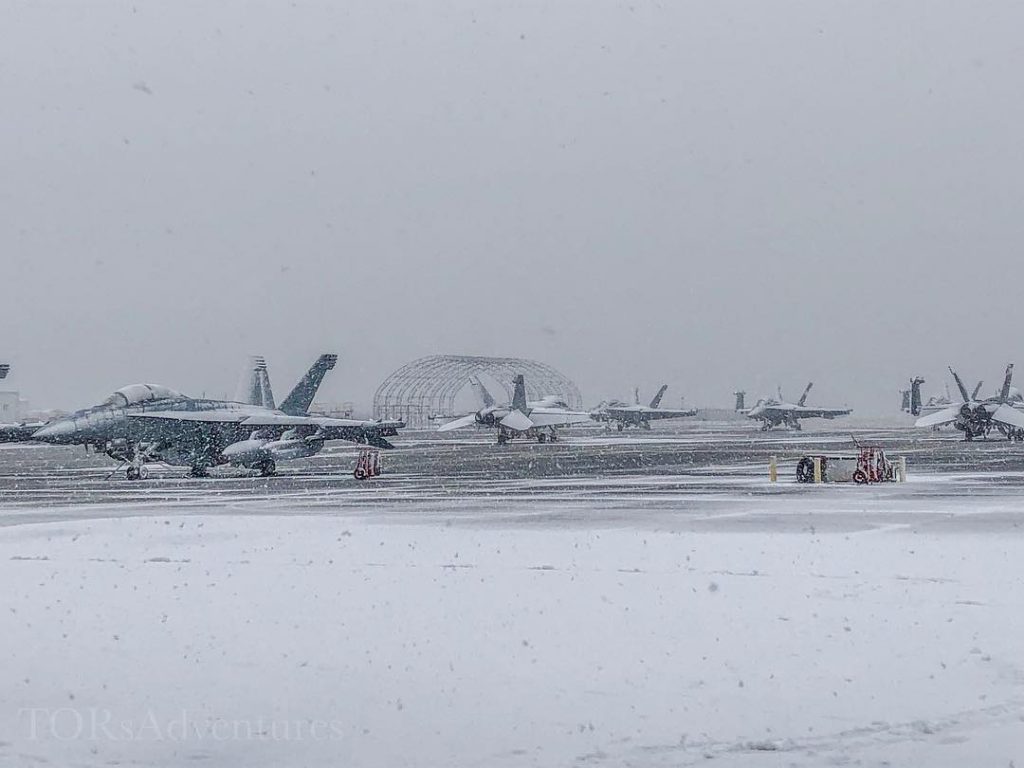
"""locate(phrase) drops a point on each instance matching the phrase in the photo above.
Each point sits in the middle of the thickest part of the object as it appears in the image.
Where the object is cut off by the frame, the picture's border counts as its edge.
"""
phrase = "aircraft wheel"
(502, 439)
(133, 473)
(143, 472)
(860, 477)
(805, 470)
(542, 438)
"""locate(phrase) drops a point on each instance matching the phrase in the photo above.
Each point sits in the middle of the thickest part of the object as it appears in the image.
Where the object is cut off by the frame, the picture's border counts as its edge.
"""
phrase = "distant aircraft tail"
(1004, 393)
(960, 386)
(255, 388)
(519, 394)
(301, 397)
(4, 370)
(481, 392)
(803, 397)
(915, 395)
(741, 397)
(263, 381)
(657, 398)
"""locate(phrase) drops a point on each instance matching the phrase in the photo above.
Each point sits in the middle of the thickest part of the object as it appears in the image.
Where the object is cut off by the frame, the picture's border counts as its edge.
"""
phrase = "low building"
(12, 407)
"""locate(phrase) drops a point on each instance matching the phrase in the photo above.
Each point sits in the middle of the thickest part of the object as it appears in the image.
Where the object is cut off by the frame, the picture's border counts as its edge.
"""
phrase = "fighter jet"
(976, 418)
(774, 413)
(520, 419)
(625, 415)
(144, 423)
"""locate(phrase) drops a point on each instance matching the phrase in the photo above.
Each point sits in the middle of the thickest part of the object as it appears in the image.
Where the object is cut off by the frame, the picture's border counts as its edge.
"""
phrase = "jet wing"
(614, 412)
(371, 432)
(653, 414)
(459, 423)
(209, 417)
(518, 421)
(273, 419)
(556, 417)
(945, 416)
(1008, 415)
(811, 412)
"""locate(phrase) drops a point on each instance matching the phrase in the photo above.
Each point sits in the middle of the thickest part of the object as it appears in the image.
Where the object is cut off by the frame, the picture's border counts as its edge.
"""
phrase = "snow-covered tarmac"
(671, 612)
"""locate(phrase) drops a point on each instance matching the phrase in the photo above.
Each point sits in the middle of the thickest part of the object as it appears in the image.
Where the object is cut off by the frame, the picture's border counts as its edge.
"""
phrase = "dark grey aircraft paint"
(142, 423)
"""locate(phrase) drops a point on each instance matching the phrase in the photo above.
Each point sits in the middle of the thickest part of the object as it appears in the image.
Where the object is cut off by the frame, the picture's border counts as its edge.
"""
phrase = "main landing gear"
(266, 468)
(505, 435)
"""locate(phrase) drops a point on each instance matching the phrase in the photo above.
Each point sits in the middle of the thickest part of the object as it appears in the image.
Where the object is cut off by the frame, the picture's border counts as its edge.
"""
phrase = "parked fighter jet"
(976, 418)
(774, 413)
(144, 423)
(520, 419)
(625, 415)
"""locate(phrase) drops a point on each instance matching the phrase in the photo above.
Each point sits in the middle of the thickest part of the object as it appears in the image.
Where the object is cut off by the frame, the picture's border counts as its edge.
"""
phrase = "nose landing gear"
(140, 472)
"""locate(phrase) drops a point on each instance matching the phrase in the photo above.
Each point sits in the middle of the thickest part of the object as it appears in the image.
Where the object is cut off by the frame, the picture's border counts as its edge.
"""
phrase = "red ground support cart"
(368, 464)
(870, 465)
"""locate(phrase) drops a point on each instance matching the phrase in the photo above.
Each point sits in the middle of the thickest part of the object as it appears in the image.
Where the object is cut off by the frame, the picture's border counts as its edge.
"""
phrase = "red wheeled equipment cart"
(368, 464)
(870, 465)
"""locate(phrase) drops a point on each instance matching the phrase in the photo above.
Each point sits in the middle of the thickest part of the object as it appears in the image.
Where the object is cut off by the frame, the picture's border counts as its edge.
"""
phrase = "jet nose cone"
(57, 432)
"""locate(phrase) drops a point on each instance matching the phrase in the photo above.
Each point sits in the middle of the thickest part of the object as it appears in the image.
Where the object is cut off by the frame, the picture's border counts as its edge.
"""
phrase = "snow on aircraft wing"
(944, 416)
(554, 417)
(810, 411)
(210, 417)
(459, 423)
(666, 413)
(1007, 414)
(518, 421)
(274, 419)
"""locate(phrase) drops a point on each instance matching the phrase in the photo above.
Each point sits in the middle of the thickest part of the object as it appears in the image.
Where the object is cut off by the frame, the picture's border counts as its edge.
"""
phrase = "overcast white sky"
(707, 194)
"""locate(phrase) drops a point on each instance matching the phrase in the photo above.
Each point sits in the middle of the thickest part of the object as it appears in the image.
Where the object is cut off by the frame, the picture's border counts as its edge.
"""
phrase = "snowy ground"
(670, 619)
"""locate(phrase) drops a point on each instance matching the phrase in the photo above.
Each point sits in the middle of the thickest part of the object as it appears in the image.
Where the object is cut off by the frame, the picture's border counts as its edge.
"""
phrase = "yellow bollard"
(817, 469)
(773, 470)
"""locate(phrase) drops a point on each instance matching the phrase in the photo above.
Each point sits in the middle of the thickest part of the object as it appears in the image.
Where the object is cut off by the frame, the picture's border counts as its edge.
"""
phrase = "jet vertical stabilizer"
(656, 401)
(915, 395)
(301, 397)
(1004, 393)
(481, 392)
(519, 395)
(803, 398)
(960, 386)
(266, 394)
(741, 397)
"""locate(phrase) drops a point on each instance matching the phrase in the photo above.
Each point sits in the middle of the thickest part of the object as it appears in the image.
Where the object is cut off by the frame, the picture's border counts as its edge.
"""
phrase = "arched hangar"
(428, 387)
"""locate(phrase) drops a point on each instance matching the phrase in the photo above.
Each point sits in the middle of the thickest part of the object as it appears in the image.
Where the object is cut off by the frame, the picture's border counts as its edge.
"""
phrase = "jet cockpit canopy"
(140, 393)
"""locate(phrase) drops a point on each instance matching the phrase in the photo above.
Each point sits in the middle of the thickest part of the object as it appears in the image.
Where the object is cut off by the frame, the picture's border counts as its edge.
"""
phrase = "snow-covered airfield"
(605, 601)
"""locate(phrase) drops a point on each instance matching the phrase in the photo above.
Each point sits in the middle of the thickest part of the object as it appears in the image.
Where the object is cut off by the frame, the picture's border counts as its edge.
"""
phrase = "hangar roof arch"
(427, 387)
